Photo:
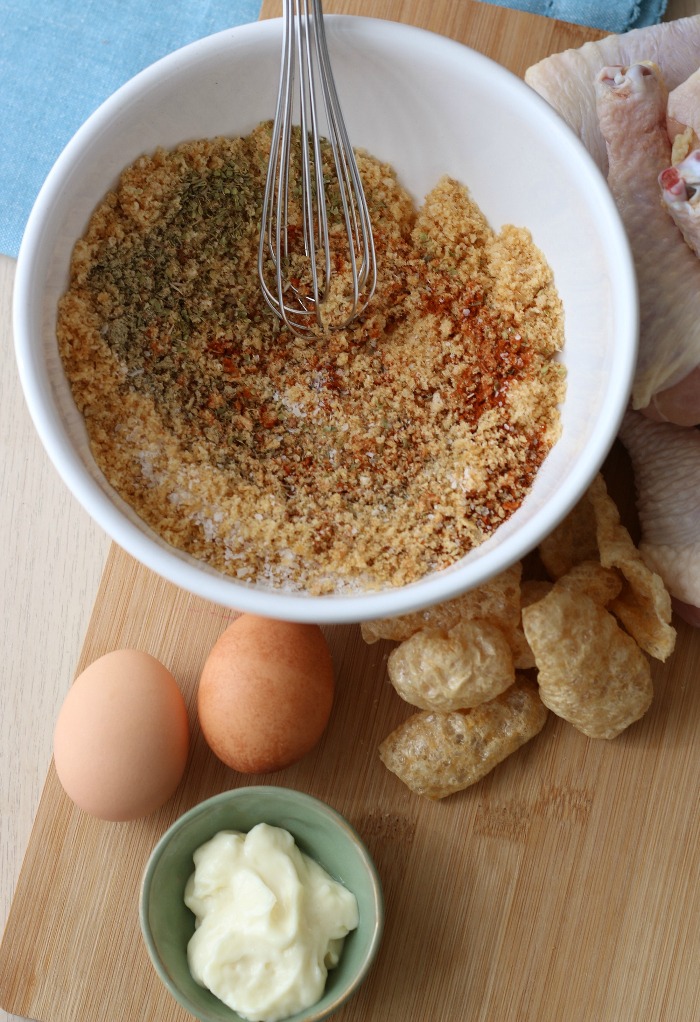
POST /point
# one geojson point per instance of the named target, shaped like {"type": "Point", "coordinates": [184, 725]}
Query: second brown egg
{"type": "Point", "coordinates": [265, 693]}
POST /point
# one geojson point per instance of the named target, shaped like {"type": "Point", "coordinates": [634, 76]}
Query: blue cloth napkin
{"type": "Point", "coordinates": [60, 59]}
{"type": "Point", "coordinates": [608, 15]}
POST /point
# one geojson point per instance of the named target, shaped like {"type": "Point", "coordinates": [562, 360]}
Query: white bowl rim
{"type": "Point", "coordinates": [289, 605]}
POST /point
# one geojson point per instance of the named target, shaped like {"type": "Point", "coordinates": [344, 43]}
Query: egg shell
{"type": "Point", "coordinates": [265, 693]}
{"type": "Point", "coordinates": [122, 736]}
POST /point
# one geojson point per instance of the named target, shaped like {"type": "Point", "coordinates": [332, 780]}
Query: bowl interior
{"type": "Point", "coordinates": [429, 106]}
{"type": "Point", "coordinates": [319, 831]}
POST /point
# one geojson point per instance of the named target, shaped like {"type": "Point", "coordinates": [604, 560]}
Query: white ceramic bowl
{"type": "Point", "coordinates": [430, 107]}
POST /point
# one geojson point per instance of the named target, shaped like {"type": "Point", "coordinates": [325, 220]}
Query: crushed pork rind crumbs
{"type": "Point", "coordinates": [365, 458]}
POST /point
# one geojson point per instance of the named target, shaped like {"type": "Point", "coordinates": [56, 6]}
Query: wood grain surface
{"type": "Point", "coordinates": [565, 886]}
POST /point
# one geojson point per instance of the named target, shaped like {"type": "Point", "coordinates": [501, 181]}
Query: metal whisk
{"type": "Point", "coordinates": [297, 261]}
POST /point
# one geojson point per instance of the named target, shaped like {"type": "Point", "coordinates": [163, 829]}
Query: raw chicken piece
{"type": "Point", "coordinates": [566, 80]}
{"type": "Point", "coordinates": [683, 116]}
{"type": "Point", "coordinates": [680, 191]}
{"type": "Point", "coordinates": [631, 105]}
{"type": "Point", "coordinates": [666, 463]}
{"type": "Point", "coordinates": [667, 473]}
{"type": "Point", "coordinates": [679, 404]}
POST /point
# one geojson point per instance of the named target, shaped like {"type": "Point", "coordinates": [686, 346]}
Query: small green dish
{"type": "Point", "coordinates": [319, 831]}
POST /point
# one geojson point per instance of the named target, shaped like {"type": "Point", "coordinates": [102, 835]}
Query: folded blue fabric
{"type": "Point", "coordinates": [609, 15]}
{"type": "Point", "coordinates": [61, 58]}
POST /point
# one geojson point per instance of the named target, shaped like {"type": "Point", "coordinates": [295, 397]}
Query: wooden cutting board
{"type": "Point", "coordinates": [565, 887]}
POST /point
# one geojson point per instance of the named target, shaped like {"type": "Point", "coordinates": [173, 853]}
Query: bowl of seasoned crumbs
{"type": "Point", "coordinates": [376, 469]}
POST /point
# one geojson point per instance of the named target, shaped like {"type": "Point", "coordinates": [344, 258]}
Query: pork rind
{"type": "Point", "coordinates": [592, 532]}
{"type": "Point", "coordinates": [572, 541]}
{"type": "Point", "coordinates": [532, 590]}
{"type": "Point", "coordinates": [523, 657]}
{"type": "Point", "coordinates": [590, 671]}
{"type": "Point", "coordinates": [497, 601]}
{"type": "Point", "coordinates": [437, 753]}
{"type": "Point", "coordinates": [452, 670]}
{"type": "Point", "coordinates": [592, 578]}
{"type": "Point", "coordinates": [644, 604]}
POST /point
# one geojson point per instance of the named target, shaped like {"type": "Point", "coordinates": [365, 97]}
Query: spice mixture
{"type": "Point", "coordinates": [364, 458]}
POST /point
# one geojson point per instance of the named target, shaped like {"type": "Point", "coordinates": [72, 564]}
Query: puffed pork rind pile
{"type": "Point", "coordinates": [485, 668]}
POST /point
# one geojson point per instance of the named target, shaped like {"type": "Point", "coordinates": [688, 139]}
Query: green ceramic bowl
{"type": "Point", "coordinates": [319, 831]}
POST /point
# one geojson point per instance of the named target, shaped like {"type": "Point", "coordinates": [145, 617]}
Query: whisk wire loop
{"type": "Point", "coordinates": [315, 217]}
{"type": "Point", "coordinates": [356, 214]}
{"type": "Point", "coordinates": [307, 87]}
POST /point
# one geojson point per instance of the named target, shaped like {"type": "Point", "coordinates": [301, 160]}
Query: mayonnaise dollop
{"type": "Point", "coordinates": [269, 922]}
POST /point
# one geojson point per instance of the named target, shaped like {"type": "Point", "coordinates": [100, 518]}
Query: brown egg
{"type": "Point", "coordinates": [265, 693]}
{"type": "Point", "coordinates": [122, 736]}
